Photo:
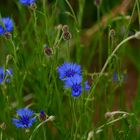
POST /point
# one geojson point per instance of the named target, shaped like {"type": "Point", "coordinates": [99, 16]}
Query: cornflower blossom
{"type": "Point", "coordinates": [6, 25]}
{"type": "Point", "coordinates": [25, 118]}
{"type": "Point", "coordinates": [5, 75]}
{"type": "Point", "coordinates": [68, 70]}
{"type": "Point", "coordinates": [27, 2]}
{"type": "Point", "coordinates": [75, 84]}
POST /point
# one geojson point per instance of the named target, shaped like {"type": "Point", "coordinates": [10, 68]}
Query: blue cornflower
{"type": "Point", "coordinates": [5, 75]}
{"type": "Point", "coordinates": [119, 77]}
{"type": "Point", "coordinates": [87, 86]}
{"type": "Point", "coordinates": [42, 115]}
{"type": "Point", "coordinates": [25, 119]}
{"type": "Point", "coordinates": [6, 25]}
{"type": "Point", "coordinates": [27, 2]}
{"type": "Point", "coordinates": [75, 84]}
{"type": "Point", "coordinates": [8, 74]}
{"type": "Point", "coordinates": [68, 70]}
{"type": "Point", "coordinates": [1, 74]}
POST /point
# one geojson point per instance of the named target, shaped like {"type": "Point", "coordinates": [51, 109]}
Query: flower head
{"type": "Point", "coordinates": [68, 70]}
{"type": "Point", "coordinates": [6, 25]}
{"type": "Point", "coordinates": [27, 2]}
{"type": "Point", "coordinates": [87, 86]}
{"type": "Point", "coordinates": [8, 74]}
{"type": "Point", "coordinates": [42, 116]}
{"type": "Point", "coordinates": [119, 77]}
{"type": "Point", "coordinates": [75, 84]}
{"type": "Point", "coordinates": [5, 75]}
{"type": "Point", "coordinates": [1, 74]}
{"type": "Point", "coordinates": [25, 118]}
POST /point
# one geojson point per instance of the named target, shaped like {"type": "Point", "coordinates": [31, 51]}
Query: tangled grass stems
{"type": "Point", "coordinates": [105, 65]}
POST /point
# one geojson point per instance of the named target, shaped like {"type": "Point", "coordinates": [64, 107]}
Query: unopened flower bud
{"type": "Point", "coordinates": [48, 51]}
{"type": "Point", "coordinates": [112, 33]}
{"type": "Point", "coordinates": [108, 115]}
{"type": "Point", "coordinates": [67, 35]}
{"type": "Point", "coordinates": [3, 126]}
{"type": "Point", "coordinates": [51, 118]}
{"type": "Point", "coordinates": [42, 116]}
{"type": "Point", "coordinates": [137, 35]}
{"type": "Point", "coordinates": [97, 2]}
{"type": "Point", "coordinates": [65, 28]}
{"type": "Point", "coordinates": [8, 35]}
{"type": "Point", "coordinates": [33, 6]}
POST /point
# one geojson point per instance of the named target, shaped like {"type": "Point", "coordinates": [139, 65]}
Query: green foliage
{"type": "Point", "coordinates": [36, 84]}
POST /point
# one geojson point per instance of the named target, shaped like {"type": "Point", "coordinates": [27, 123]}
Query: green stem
{"type": "Point", "coordinates": [106, 63]}
{"type": "Point", "coordinates": [38, 126]}
{"type": "Point", "coordinates": [138, 7]}
{"type": "Point", "coordinates": [72, 11]}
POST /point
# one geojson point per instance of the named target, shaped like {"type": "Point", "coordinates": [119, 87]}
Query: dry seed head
{"type": "Point", "coordinates": [112, 33]}
{"type": "Point", "coordinates": [108, 115]}
{"type": "Point", "coordinates": [97, 2]}
{"type": "Point", "coordinates": [137, 35]}
{"type": "Point", "coordinates": [48, 51]}
{"type": "Point", "coordinates": [67, 35]}
{"type": "Point", "coordinates": [8, 35]}
{"type": "Point", "coordinates": [51, 118]}
{"type": "Point", "coordinates": [33, 6]}
{"type": "Point", "coordinates": [65, 28]}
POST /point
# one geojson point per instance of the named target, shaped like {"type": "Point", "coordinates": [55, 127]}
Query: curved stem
{"type": "Point", "coordinates": [106, 63]}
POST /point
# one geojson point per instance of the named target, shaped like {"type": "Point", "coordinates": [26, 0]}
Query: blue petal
{"type": "Point", "coordinates": [25, 111]}
{"type": "Point", "coordinates": [1, 74]}
{"type": "Point", "coordinates": [87, 86]}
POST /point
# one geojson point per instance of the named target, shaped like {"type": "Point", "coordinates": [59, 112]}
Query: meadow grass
{"type": "Point", "coordinates": [102, 40]}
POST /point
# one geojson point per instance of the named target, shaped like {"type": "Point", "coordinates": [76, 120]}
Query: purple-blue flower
{"type": "Point", "coordinates": [87, 86]}
{"type": "Point", "coordinates": [5, 75]}
{"type": "Point", "coordinates": [27, 2]}
{"type": "Point", "coordinates": [25, 118]}
{"type": "Point", "coordinates": [8, 74]}
{"type": "Point", "coordinates": [119, 77]}
{"type": "Point", "coordinates": [75, 84]}
{"type": "Point", "coordinates": [68, 70]}
{"type": "Point", "coordinates": [6, 25]}
{"type": "Point", "coordinates": [42, 115]}
{"type": "Point", "coordinates": [1, 74]}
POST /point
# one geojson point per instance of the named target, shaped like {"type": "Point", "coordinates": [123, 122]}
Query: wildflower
{"type": "Point", "coordinates": [137, 35]}
{"type": "Point", "coordinates": [25, 118]}
{"type": "Point", "coordinates": [6, 25]}
{"type": "Point", "coordinates": [9, 74]}
{"type": "Point", "coordinates": [68, 70]}
{"type": "Point", "coordinates": [87, 86]}
{"type": "Point", "coordinates": [48, 51]}
{"type": "Point", "coordinates": [42, 116]}
{"type": "Point", "coordinates": [3, 126]}
{"type": "Point", "coordinates": [119, 77]}
{"type": "Point", "coordinates": [75, 84]}
{"type": "Point", "coordinates": [5, 75]}
{"type": "Point", "coordinates": [65, 28]}
{"type": "Point", "coordinates": [1, 75]}
{"type": "Point", "coordinates": [97, 2]}
{"type": "Point", "coordinates": [27, 2]}
{"type": "Point", "coordinates": [67, 35]}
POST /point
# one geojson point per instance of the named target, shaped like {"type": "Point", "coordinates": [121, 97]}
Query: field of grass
{"type": "Point", "coordinates": [69, 69]}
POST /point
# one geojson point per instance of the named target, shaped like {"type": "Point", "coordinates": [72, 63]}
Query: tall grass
{"type": "Point", "coordinates": [110, 109]}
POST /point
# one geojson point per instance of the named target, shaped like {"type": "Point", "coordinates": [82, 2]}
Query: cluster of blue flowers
{"type": "Point", "coordinates": [5, 75]}
{"type": "Point", "coordinates": [71, 75]}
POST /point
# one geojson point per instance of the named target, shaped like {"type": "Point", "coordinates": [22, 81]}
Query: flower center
{"type": "Point", "coordinates": [25, 120]}
{"type": "Point", "coordinates": [76, 87]}
{"type": "Point", "coordinates": [70, 73]}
